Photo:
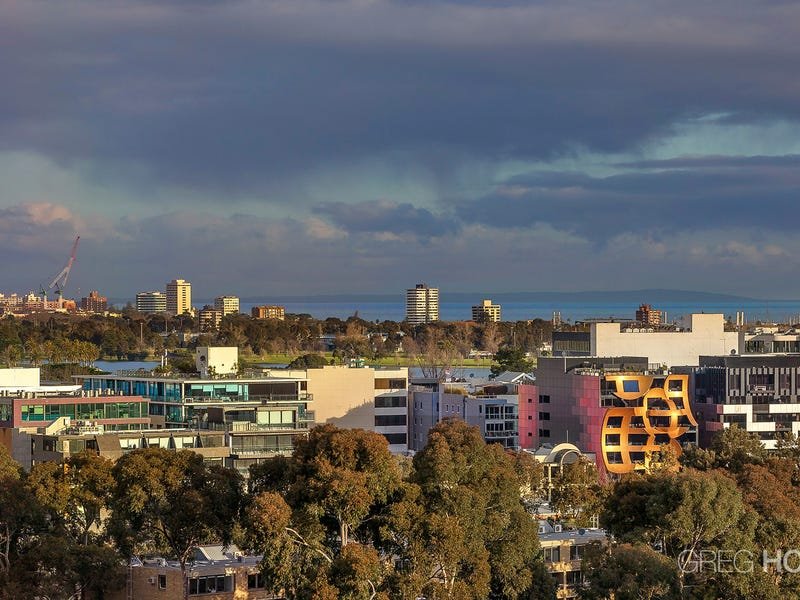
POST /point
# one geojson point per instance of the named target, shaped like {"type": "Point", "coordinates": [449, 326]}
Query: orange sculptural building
{"type": "Point", "coordinates": [656, 413]}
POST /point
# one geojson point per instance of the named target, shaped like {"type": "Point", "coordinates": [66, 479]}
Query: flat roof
{"type": "Point", "coordinates": [588, 535]}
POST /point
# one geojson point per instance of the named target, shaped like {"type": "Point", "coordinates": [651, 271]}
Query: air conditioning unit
{"type": "Point", "coordinates": [557, 528]}
{"type": "Point", "coordinates": [151, 580]}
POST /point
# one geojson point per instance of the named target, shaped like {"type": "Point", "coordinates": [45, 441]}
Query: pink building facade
{"type": "Point", "coordinates": [568, 401]}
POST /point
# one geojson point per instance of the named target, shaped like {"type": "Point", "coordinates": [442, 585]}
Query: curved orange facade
{"type": "Point", "coordinates": [651, 418]}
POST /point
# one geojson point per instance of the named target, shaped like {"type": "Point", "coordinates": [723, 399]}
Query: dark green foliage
{"type": "Point", "coordinates": [460, 525]}
{"type": "Point", "coordinates": [135, 336]}
{"type": "Point", "coordinates": [308, 361]}
{"type": "Point", "coordinates": [172, 501]}
{"type": "Point", "coordinates": [511, 359]}
{"type": "Point", "coordinates": [629, 572]}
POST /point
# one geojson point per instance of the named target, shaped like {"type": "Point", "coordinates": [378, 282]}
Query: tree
{"type": "Point", "coordinates": [459, 526]}
{"type": "Point", "coordinates": [686, 514]}
{"type": "Point", "coordinates": [315, 514]}
{"type": "Point", "coordinates": [18, 510]}
{"type": "Point", "coordinates": [173, 501]}
{"type": "Point", "coordinates": [735, 447]}
{"type": "Point", "coordinates": [576, 492]}
{"type": "Point", "coordinates": [341, 476]}
{"type": "Point", "coordinates": [511, 359]}
{"type": "Point", "coordinates": [75, 493]}
{"type": "Point", "coordinates": [308, 361]}
{"type": "Point", "coordinates": [289, 559]}
{"type": "Point", "coordinates": [433, 352]}
{"type": "Point", "coordinates": [772, 491]}
{"type": "Point", "coordinates": [629, 572]}
{"type": "Point", "coordinates": [490, 337]}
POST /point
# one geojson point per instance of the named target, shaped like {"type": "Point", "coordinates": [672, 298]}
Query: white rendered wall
{"type": "Point", "coordinates": [706, 337]}
{"type": "Point", "coordinates": [19, 378]}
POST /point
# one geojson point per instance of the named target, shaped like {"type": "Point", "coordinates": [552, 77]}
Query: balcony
{"type": "Point", "coordinates": [500, 434]}
{"type": "Point", "coordinates": [247, 426]}
{"type": "Point", "coordinates": [251, 400]}
{"type": "Point", "coordinates": [257, 450]}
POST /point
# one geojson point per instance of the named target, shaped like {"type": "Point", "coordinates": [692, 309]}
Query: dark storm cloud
{"type": "Point", "coordinates": [235, 95]}
{"type": "Point", "coordinates": [382, 217]}
{"type": "Point", "coordinates": [188, 114]}
{"type": "Point", "coordinates": [713, 162]}
{"type": "Point", "coordinates": [762, 193]}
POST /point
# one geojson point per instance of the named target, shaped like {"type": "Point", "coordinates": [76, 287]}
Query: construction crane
{"type": "Point", "coordinates": [60, 280]}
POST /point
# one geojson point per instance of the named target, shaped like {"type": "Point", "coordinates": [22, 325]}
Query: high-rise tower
{"type": "Point", "coordinates": [179, 297]}
{"type": "Point", "coordinates": [422, 304]}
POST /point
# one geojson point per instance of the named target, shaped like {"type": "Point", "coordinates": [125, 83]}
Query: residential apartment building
{"type": "Point", "coordinates": [179, 297]}
{"type": "Point", "coordinates": [361, 398]}
{"type": "Point", "coordinates": [486, 312]}
{"type": "Point", "coordinates": [28, 408]}
{"type": "Point", "coordinates": [429, 403]}
{"type": "Point", "coordinates": [647, 315]}
{"type": "Point", "coordinates": [209, 318]}
{"type": "Point", "coordinates": [94, 302]}
{"type": "Point", "coordinates": [619, 408]}
{"type": "Point", "coordinates": [563, 551]}
{"type": "Point", "coordinates": [268, 312]}
{"type": "Point", "coordinates": [228, 305]}
{"type": "Point", "coordinates": [769, 340]}
{"type": "Point", "coordinates": [759, 393]}
{"type": "Point", "coordinates": [259, 415]}
{"type": "Point", "coordinates": [56, 444]}
{"type": "Point", "coordinates": [151, 302]}
{"type": "Point", "coordinates": [422, 304]}
{"type": "Point", "coordinates": [214, 573]}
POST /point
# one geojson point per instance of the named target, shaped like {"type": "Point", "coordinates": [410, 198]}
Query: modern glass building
{"type": "Point", "coordinates": [180, 400]}
{"type": "Point", "coordinates": [260, 416]}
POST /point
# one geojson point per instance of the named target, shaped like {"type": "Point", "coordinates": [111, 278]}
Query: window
{"type": "Point", "coordinates": [544, 398]}
{"type": "Point", "coordinates": [544, 416]}
{"type": "Point", "coordinates": [390, 402]}
{"type": "Point", "coordinates": [389, 420]}
{"type": "Point", "coordinates": [395, 438]}
{"type": "Point", "coordinates": [552, 554]}
{"type": "Point", "coordinates": [630, 385]}
{"type": "Point", "coordinates": [544, 433]}
{"type": "Point", "coordinates": [575, 552]}
{"type": "Point", "coordinates": [162, 582]}
{"type": "Point", "coordinates": [675, 385]}
{"type": "Point", "coordinates": [530, 417]}
{"type": "Point", "coordinates": [211, 584]}
{"type": "Point", "coordinates": [574, 578]}
{"type": "Point", "coordinates": [390, 384]}
{"type": "Point", "coordinates": [255, 581]}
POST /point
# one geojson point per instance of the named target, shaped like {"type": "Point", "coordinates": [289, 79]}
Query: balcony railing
{"type": "Point", "coordinates": [254, 400]}
{"type": "Point", "coordinates": [501, 434]}
{"type": "Point", "coordinates": [250, 451]}
{"type": "Point", "coordinates": [246, 426]}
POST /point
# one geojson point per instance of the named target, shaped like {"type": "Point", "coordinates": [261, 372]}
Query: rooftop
{"type": "Point", "coordinates": [206, 558]}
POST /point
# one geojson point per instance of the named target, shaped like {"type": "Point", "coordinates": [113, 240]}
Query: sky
{"type": "Point", "coordinates": [306, 147]}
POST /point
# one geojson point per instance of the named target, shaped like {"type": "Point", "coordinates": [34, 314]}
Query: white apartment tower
{"type": "Point", "coordinates": [422, 304]}
{"type": "Point", "coordinates": [486, 312]}
{"type": "Point", "coordinates": [229, 305]}
{"type": "Point", "coordinates": [179, 297]}
{"type": "Point", "coordinates": [151, 302]}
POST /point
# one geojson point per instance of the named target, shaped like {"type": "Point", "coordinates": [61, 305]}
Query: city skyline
{"type": "Point", "coordinates": [323, 148]}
